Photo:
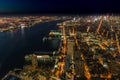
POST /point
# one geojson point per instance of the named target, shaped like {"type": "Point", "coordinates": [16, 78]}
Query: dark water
{"type": "Point", "coordinates": [15, 45]}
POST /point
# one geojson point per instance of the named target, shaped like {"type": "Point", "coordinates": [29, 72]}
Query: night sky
{"type": "Point", "coordinates": [59, 6]}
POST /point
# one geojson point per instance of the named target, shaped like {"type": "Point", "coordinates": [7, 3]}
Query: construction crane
{"type": "Point", "coordinates": [99, 26]}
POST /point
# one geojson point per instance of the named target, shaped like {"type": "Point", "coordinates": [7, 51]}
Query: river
{"type": "Point", "coordinates": [14, 45]}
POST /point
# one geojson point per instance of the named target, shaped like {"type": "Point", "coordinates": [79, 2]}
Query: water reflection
{"type": "Point", "coordinates": [11, 34]}
{"type": "Point", "coordinates": [23, 32]}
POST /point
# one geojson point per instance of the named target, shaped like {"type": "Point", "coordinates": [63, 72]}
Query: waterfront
{"type": "Point", "coordinates": [15, 45]}
{"type": "Point", "coordinates": [89, 46]}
